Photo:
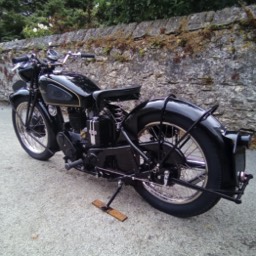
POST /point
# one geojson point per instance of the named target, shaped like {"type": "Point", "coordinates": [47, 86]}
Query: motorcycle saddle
{"type": "Point", "coordinates": [119, 94]}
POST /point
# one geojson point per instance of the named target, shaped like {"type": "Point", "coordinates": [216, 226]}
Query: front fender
{"type": "Point", "coordinates": [54, 122]}
{"type": "Point", "coordinates": [23, 92]}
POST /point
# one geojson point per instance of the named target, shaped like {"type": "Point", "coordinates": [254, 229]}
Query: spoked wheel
{"type": "Point", "coordinates": [195, 160]}
{"type": "Point", "coordinates": [37, 138]}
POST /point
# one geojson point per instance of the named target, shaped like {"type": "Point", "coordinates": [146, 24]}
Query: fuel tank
{"type": "Point", "coordinates": [67, 89]}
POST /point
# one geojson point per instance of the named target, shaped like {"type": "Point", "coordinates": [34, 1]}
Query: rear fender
{"type": "Point", "coordinates": [186, 110]}
{"type": "Point", "coordinates": [174, 108]}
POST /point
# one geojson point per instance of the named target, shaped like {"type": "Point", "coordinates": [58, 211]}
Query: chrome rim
{"type": "Point", "coordinates": [194, 169]}
{"type": "Point", "coordinates": [35, 138]}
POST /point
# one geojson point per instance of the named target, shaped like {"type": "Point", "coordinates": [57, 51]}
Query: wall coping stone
{"type": "Point", "coordinates": [173, 25]}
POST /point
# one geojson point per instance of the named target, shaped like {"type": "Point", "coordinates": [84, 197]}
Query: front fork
{"type": "Point", "coordinates": [33, 98]}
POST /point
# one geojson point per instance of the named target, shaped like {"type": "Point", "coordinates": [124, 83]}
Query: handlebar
{"type": "Point", "coordinates": [87, 55]}
{"type": "Point", "coordinates": [51, 63]}
{"type": "Point", "coordinates": [78, 54]}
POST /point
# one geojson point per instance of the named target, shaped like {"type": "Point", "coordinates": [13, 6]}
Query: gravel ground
{"type": "Point", "coordinates": [46, 210]}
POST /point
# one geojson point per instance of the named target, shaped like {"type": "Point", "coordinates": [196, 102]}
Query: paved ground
{"type": "Point", "coordinates": [46, 210]}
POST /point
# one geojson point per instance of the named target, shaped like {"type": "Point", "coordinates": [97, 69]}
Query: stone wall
{"type": "Point", "coordinates": [205, 58]}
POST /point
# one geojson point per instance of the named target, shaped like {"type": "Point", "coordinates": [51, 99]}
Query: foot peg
{"type": "Point", "coordinates": [70, 165]}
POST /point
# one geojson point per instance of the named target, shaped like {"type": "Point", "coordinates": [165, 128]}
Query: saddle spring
{"type": "Point", "coordinates": [118, 114]}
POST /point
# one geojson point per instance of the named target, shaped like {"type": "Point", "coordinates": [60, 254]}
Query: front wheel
{"type": "Point", "coordinates": [195, 160]}
{"type": "Point", "coordinates": [37, 138]}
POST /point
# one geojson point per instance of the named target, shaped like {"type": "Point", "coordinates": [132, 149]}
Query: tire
{"type": "Point", "coordinates": [196, 161]}
{"type": "Point", "coordinates": [38, 140]}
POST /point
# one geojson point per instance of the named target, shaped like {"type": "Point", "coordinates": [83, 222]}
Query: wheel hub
{"type": "Point", "coordinates": [170, 168]}
{"type": "Point", "coordinates": [164, 175]}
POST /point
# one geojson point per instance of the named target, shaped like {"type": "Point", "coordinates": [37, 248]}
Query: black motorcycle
{"type": "Point", "coordinates": [177, 156]}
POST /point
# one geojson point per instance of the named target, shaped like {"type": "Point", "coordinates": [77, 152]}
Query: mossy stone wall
{"type": "Point", "coordinates": [206, 58]}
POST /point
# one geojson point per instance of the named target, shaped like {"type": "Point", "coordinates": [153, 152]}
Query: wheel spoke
{"type": "Point", "coordinates": [35, 138]}
{"type": "Point", "coordinates": [197, 179]}
{"type": "Point", "coordinates": [193, 169]}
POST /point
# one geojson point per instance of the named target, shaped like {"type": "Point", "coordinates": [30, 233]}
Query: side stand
{"type": "Point", "coordinates": [106, 207]}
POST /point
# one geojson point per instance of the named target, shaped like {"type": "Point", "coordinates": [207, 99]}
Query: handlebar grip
{"type": "Point", "coordinates": [87, 55]}
{"type": "Point", "coordinates": [16, 60]}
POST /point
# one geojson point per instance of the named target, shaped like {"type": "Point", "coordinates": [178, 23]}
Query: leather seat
{"type": "Point", "coordinates": [119, 94]}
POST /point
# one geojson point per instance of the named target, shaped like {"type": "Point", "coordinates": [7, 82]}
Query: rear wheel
{"type": "Point", "coordinates": [36, 139]}
{"type": "Point", "coordinates": [195, 160]}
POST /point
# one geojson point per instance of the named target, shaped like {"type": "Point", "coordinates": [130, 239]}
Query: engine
{"type": "Point", "coordinates": [100, 131]}
{"type": "Point", "coordinates": [81, 133]}
{"type": "Point", "coordinates": [92, 141]}
{"type": "Point", "coordinates": [77, 119]}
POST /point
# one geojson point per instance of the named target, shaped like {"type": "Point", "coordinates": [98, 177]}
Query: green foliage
{"type": "Point", "coordinates": [33, 18]}
{"type": "Point", "coordinates": [125, 11]}
{"type": "Point", "coordinates": [31, 31]}
{"type": "Point", "coordinates": [11, 25]}
{"type": "Point", "coordinates": [30, 18]}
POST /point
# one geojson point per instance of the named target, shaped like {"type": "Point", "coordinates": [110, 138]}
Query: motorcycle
{"type": "Point", "coordinates": [177, 156]}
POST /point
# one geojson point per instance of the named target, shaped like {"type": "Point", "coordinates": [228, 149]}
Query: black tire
{"type": "Point", "coordinates": [200, 165]}
{"type": "Point", "coordinates": [39, 139]}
